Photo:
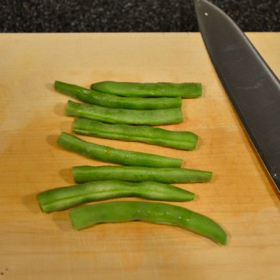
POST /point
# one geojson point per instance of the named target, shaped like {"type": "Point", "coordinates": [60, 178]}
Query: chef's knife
{"type": "Point", "coordinates": [252, 87]}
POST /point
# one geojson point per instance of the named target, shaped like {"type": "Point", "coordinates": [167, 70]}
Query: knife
{"type": "Point", "coordinates": [252, 87]}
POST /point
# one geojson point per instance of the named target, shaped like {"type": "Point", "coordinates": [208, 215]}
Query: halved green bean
{"type": "Point", "coordinates": [109, 154]}
{"type": "Point", "coordinates": [176, 139]}
{"type": "Point", "coordinates": [127, 116]}
{"type": "Point", "coordinates": [153, 212]}
{"type": "Point", "coordinates": [66, 197]}
{"type": "Point", "coordinates": [184, 90]}
{"type": "Point", "coordinates": [83, 174]}
{"type": "Point", "coordinates": [113, 101]}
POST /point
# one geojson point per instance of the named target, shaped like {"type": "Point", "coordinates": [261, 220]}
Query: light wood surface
{"type": "Point", "coordinates": [241, 196]}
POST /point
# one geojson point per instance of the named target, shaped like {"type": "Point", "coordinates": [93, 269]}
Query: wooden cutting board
{"type": "Point", "coordinates": [241, 197]}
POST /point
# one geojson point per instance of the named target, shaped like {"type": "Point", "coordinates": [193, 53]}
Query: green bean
{"type": "Point", "coordinates": [127, 116]}
{"type": "Point", "coordinates": [153, 212]}
{"type": "Point", "coordinates": [184, 90]}
{"type": "Point", "coordinates": [83, 174]}
{"type": "Point", "coordinates": [108, 154]}
{"type": "Point", "coordinates": [113, 101]}
{"type": "Point", "coordinates": [66, 197]}
{"type": "Point", "coordinates": [147, 134]}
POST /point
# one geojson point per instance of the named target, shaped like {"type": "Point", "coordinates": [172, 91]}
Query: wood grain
{"type": "Point", "coordinates": [241, 196]}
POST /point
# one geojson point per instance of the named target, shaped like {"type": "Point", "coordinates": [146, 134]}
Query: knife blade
{"type": "Point", "coordinates": [252, 87]}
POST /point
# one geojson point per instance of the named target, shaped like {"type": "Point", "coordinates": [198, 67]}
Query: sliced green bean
{"type": "Point", "coordinates": [114, 101]}
{"type": "Point", "coordinates": [184, 90]}
{"type": "Point", "coordinates": [66, 197]}
{"type": "Point", "coordinates": [83, 174]}
{"type": "Point", "coordinates": [109, 154]}
{"type": "Point", "coordinates": [153, 212]}
{"type": "Point", "coordinates": [127, 116]}
{"type": "Point", "coordinates": [147, 134]}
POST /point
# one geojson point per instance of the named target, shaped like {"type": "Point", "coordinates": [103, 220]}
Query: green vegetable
{"type": "Point", "coordinates": [113, 101]}
{"type": "Point", "coordinates": [83, 174]}
{"type": "Point", "coordinates": [147, 134]}
{"type": "Point", "coordinates": [110, 115]}
{"type": "Point", "coordinates": [153, 212]}
{"type": "Point", "coordinates": [66, 197]}
{"type": "Point", "coordinates": [184, 90]}
{"type": "Point", "coordinates": [108, 154]}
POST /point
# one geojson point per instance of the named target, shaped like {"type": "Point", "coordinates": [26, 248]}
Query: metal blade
{"type": "Point", "coordinates": [252, 87]}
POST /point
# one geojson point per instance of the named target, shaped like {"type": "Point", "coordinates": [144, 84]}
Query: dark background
{"type": "Point", "coordinates": [129, 15]}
